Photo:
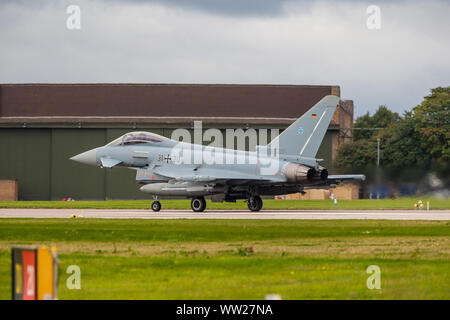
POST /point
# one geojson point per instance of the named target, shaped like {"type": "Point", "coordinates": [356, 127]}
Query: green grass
{"type": "Point", "coordinates": [239, 259]}
{"type": "Point", "coordinates": [363, 204]}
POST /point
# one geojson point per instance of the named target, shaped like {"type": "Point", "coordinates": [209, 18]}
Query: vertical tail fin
{"type": "Point", "coordinates": [305, 135]}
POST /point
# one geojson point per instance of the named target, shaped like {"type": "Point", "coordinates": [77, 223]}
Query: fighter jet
{"type": "Point", "coordinates": [166, 167]}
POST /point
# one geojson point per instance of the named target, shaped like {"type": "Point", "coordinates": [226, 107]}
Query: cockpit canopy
{"type": "Point", "coordinates": [137, 137]}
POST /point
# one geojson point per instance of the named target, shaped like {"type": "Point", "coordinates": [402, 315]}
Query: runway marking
{"type": "Point", "coordinates": [226, 214]}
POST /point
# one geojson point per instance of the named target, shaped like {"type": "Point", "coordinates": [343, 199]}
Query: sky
{"type": "Point", "coordinates": [234, 41]}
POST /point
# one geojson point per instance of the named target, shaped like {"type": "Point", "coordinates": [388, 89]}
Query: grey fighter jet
{"type": "Point", "coordinates": [166, 167]}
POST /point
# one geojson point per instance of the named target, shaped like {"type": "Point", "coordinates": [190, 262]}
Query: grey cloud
{"type": "Point", "coordinates": [220, 7]}
{"type": "Point", "coordinates": [225, 7]}
{"type": "Point", "coordinates": [234, 8]}
{"type": "Point", "coordinates": [242, 8]}
{"type": "Point", "coordinates": [129, 41]}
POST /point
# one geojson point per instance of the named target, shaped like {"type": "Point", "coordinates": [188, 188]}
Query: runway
{"type": "Point", "coordinates": [226, 214]}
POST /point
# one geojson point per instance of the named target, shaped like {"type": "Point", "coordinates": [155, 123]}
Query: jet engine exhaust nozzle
{"type": "Point", "coordinates": [296, 173]}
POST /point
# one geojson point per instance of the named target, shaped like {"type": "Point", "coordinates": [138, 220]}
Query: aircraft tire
{"type": "Point", "coordinates": [198, 204]}
{"type": "Point", "coordinates": [255, 203]}
{"type": "Point", "coordinates": [156, 206]}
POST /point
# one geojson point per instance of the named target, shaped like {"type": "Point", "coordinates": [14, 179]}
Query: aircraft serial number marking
{"type": "Point", "coordinates": [167, 159]}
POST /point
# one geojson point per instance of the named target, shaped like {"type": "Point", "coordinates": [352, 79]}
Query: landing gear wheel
{"type": "Point", "coordinates": [156, 206]}
{"type": "Point", "coordinates": [198, 204]}
{"type": "Point", "coordinates": [254, 203]}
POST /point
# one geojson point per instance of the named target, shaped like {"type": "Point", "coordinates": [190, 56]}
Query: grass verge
{"type": "Point", "coordinates": [244, 259]}
{"type": "Point", "coordinates": [362, 204]}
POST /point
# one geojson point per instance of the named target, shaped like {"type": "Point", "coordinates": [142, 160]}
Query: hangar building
{"type": "Point", "coordinates": [43, 125]}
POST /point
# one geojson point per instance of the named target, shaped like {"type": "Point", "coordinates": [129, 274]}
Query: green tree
{"type": "Point", "coordinates": [432, 123]}
{"type": "Point", "coordinates": [359, 154]}
{"type": "Point", "coordinates": [401, 145]}
{"type": "Point", "coordinates": [419, 139]}
{"type": "Point", "coordinates": [382, 118]}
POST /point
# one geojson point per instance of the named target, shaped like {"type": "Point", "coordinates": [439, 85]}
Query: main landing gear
{"type": "Point", "coordinates": [254, 203]}
{"type": "Point", "coordinates": [198, 204]}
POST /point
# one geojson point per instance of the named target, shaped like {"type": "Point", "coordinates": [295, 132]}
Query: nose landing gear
{"type": "Point", "coordinates": [156, 206]}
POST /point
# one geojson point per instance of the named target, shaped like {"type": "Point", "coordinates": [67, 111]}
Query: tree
{"type": "Point", "coordinates": [359, 154]}
{"type": "Point", "coordinates": [432, 123]}
{"type": "Point", "coordinates": [382, 118]}
{"type": "Point", "coordinates": [401, 145]}
{"type": "Point", "coordinates": [419, 139]}
{"type": "Point", "coordinates": [363, 151]}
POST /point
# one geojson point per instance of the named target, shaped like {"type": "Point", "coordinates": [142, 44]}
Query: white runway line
{"type": "Point", "coordinates": [225, 214]}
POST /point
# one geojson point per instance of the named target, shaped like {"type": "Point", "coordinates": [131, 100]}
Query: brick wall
{"type": "Point", "coordinates": [344, 117]}
{"type": "Point", "coordinates": [8, 190]}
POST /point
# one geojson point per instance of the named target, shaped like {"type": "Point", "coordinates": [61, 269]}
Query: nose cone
{"type": "Point", "coordinates": [88, 157]}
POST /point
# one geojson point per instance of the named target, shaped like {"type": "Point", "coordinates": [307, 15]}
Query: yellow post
{"type": "Point", "coordinates": [45, 274]}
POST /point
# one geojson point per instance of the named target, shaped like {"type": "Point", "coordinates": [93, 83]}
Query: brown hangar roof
{"type": "Point", "coordinates": [163, 103]}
